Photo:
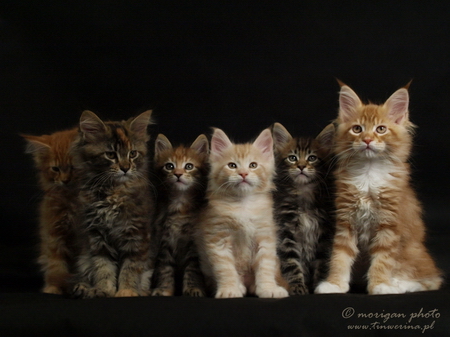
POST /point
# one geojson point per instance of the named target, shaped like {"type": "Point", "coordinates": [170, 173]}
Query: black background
{"type": "Point", "coordinates": [239, 66]}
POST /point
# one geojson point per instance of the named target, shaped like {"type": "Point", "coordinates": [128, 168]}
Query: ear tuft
{"type": "Point", "coordinates": [281, 136]}
{"type": "Point", "coordinates": [349, 103]}
{"type": "Point", "coordinates": [264, 142]}
{"type": "Point", "coordinates": [140, 123]}
{"type": "Point", "coordinates": [201, 144]}
{"type": "Point", "coordinates": [397, 106]}
{"type": "Point", "coordinates": [162, 144]}
{"type": "Point", "coordinates": [91, 125]}
{"type": "Point", "coordinates": [219, 142]}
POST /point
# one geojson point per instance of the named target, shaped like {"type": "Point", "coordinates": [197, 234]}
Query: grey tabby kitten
{"type": "Point", "coordinates": [111, 160]}
{"type": "Point", "coordinates": [302, 206]}
{"type": "Point", "coordinates": [182, 172]}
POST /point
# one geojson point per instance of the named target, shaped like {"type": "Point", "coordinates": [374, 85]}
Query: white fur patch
{"type": "Point", "coordinates": [330, 288]}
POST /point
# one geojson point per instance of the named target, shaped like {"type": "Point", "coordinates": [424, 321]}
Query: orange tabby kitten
{"type": "Point", "coordinates": [237, 235]}
{"type": "Point", "coordinates": [57, 209]}
{"type": "Point", "coordinates": [378, 214]}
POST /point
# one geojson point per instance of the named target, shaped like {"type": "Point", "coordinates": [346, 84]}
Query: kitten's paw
{"type": "Point", "coordinates": [194, 292]}
{"type": "Point", "coordinates": [126, 293]}
{"type": "Point", "coordinates": [50, 289]}
{"type": "Point", "coordinates": [384, 288]}
{"type": "Point", "coordinates": [84, 290]}
{"type": "Point", "coordinates": [330, 288]}
{"type": "Point", "coordinates": [162, 292]}
{"type": "Point", "coordinates": [271, 292]}
{"type": "Point", "coordinates": [396, 287]}
{"type": "Point", "coordinates": [230, 292]}
{"type": "Point", "coordinates": [298, 289]}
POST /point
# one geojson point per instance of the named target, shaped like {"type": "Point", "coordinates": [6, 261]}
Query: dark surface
{"type": "Point", "coordinates": [239, 67]}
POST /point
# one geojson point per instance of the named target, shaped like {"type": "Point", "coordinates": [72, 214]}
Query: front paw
{"type": "Point", "coordinates": [126, 293]}
{"type": "Point", "coordinates": [194, 292]}
{"type": "Point", "coordinates": [231, 292]}
{"type": "Point", "coordinates": [298, 289]}
{"type": "Point", "coordinates": [84, 290]}
{"type": "Point", "coordinates": [331, 288]}
{"type": "Point", "coordinates": [162, 292]}
{"type": "Point", "coordinates": [271, 292]}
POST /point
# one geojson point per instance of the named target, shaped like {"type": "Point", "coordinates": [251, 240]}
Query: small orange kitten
{"type": "Point", "coordinates": [237, 233]}
{"type": "Point", "coordinates": [57, 209]}
{"type": "Point", "coordinates": [379, 219]}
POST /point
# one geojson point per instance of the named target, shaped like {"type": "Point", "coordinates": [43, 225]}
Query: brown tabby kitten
{"type": "Point", "coordinates": [303, 206]}
{"type": "Point", "coordinates": [379, 219]}
{"type": "Point", "coordinates": [237, 233]}
{"type": "Point", "coordinates": [57, 209]}
{"type": "Point", "coordinates": [116, 206]}
{"type": "Point", "coordinates": [182, 172]}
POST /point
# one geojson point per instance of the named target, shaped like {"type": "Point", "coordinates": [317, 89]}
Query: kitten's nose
{"type": "Point", "coordinates": [125, 169]}
{"type": "Point", "coordinates": [367, 140]}
{"type": "Point", "coordinates": [301, 167]}
{"type": "Point", "coordinates": [178, 175]}
{"type": "Point", "coordinates": [243, 175]}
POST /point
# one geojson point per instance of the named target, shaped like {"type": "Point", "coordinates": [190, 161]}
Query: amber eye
{"type": "Point", "coordinates": [357, 128]}
{"type": "Point", "coordinates": [110, 155]}
{"type": "Point", "coordinates": [169, 166]}
{"type": "Point", "coordinates": [253, 165]}
{"type": "Point", "coordinates": [133, 154]}
{"type": "Point", "coordinates": [292, 158]}
{"type": "Point", "coordinates": [381, 129]}
{"type": "Point", "coordinates": [232, 165]}
{"type": "Point", "coordinates": [189, 166]}
{"type": "Point", "coordinates": [312, 158]}
{"type": "Point", "coordinates": [55, 169]}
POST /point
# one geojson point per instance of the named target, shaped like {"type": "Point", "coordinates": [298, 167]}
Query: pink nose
{"type": "Point", "coordinates": [243, 175]}
{"type": "Point", "coordinates": [367, 141]}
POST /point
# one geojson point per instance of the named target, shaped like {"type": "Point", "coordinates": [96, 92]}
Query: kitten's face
{"type": "Point", "coordinates": [300, 159]}
{"type": "Point", "coordinates": [51, 154]}
{"type": "Point", "coordinates": [241, 169]}
{"type": "Point", "coordinates": [114, 150]}
{"type": "Point", "coordinates": [182, 168]}
{"type": "Point", "coordinates": [373, 131]}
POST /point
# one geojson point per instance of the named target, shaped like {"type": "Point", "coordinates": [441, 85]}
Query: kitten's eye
{"type": "Point", "coordinates": [381, 129]}
{"type": "Point", "coordinates": [253, 165]}
{"type": "Point", "coordinates": [55, 168]}
{"type": "Point", "coordinates": [189, 166]}
{"type": "Point", "coordinates": [232, 165]}
{"type": "Point", "coordinates": [169, 166]}
{"type": "Point", "coordinates": [292, 158]}
{"type": "Point", "coordinates": [133, 154]}
{"type": "Point", "coordinates": [110, 155]}
{"type": "Point", "coordinates": [357, 128]}
{"type": "Point", "coordinates": [312, 158]}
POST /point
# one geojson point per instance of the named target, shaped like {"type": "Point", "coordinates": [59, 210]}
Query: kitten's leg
{"type": "Point", "coordinates": [266, 265]}
{"type": "Point", "coordinates": [193, 282]}
{"type": "Point", "coordinates": [56, 274]}
{"type": "Point", "coordinates": [129, 281]}
{"type": "Point", "coordinates": [291, 267]}
{"type": "Point", "coordinates": [342, 258]}
{"type": "Point", "coordinates": [164, 274]}
{"type": "Point", "coordinates": [101, 272]}
{"type": "Point", "coordinates": [220, 254]}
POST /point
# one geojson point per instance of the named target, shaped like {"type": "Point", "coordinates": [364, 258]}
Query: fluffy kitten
{"type": "Point", "coordinates": [111, 158]}
{"type": "Point", "coordinates": [237, 233]}
{"type": "Point", "coordinates": [57, 209]}
{"type": "Point", "coordinates": [302, 206]}
{"type": "Point", "coordinates": [379, 218]}
{"type": "Point", "coordinates": [182, 172]}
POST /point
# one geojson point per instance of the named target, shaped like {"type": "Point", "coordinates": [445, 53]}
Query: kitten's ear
{"type": "Point", "coordinates": [397, 106]}
{"type": "Point", "coordinates": [162, 144]}
{"type": "Point", "coordinates": [219, 143]}
{"type": "Point", "coordinates": [91, 125]}
{"type": "Point", "coordinates": [36, 145]}
{"type": "Point", "coordinates": [140, 123]}
{"type": "Point", "coordinates": [281, 136]}
{"type": "Point", "coordinates": [201, 145]}
{"type": "Point", "coordinates": [326, 136]}
{"type": "Point", "coordinates": [264, 142]}
{"type": "Point", "coordinates": [349, 103]}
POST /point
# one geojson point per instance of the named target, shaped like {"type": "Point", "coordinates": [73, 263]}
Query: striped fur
{"type": "Point", "coordinates": [111, 158]}
{"type": "Point", "coordinates": [182, 173]}
{"type": "Point", "coordinates": [303, 207]}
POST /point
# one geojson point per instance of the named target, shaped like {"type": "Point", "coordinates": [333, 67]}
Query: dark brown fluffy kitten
{"type": "Point", "coordinates": [111, 159]}
{"type": "Point", "coordinates": [303, 204]}
{"type": "Point", "coordinates": [182, 173]}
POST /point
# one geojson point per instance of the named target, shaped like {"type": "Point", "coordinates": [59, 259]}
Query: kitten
{"type": "Point", "coordinates": [57, 209]}
{"type": "Point", "coordinates": [237, 233]}
{"type": "Point", "coordinates": [111, 158]}
{"type": "Point", "coordinates": [302, 206]}
{"type": "Point", "coordinates": [378, 215]}
{"type": "Point", "coordinates": [182, 172]}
